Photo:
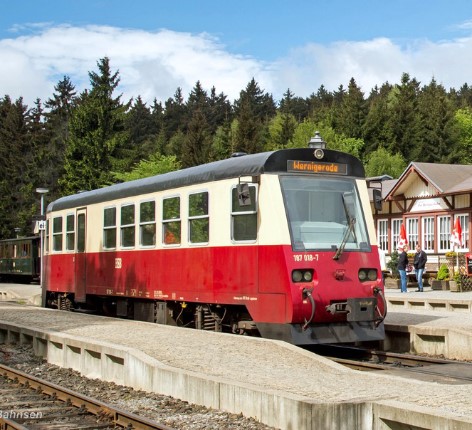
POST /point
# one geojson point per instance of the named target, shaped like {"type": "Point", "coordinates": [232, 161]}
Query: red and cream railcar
{"type": "Point", "coordinates": [279, 244]}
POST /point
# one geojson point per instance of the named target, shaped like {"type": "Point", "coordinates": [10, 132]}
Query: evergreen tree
{"type": "Point", "coordinates": [60, 107]}
{"type": "Point", "coordinates": [142, 131]}
{"type": "Point", "coordinates": [197, 142]}
{"type": "Point", "coordinates": [253, 109]}
{"type": "Point", "coordinates": [404, 118]}
{"type": "Point", "coordinates": [352, 112]}
{"type": "Point", "coordinates": [436, 116]}
{"type": "Point", "coordinates": [298, 107]}
{"type": "Point", "coordinates": [96, 134]}
{"type": "Point", "coordinates": [17, 204]}
{"type": "Point", "coordinates": [377, 132]}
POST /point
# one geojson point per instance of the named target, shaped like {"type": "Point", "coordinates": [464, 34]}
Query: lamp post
{"type": "Point", "coordinates": [42, 192]}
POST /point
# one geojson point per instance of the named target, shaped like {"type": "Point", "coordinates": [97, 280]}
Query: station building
{"type": "Point", "coordinates": [427, 198]}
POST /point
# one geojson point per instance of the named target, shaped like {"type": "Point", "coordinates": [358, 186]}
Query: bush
{"type": "Point", "coordinates": [392, 265]}
{"type": "Point", "coordinates": [443, 273]}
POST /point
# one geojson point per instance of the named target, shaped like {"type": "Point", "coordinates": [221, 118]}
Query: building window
{"type": "Point", "coordinates": [57, 234]}
{"type": "Point", "coordinates": [382, 229]}
{"type": "Point", "coordinates": [147, 223]}
{"type": "Point", "coordinates": [127, 226]}
{"type": "Point", "coordinates": [70, 232]}
{"type": "Point", "coordinates": [109, 228]}
{"type": "Point", "coordinates": [198, 219]}
{"type": "Point", "coordinates": [428, 234]}
{"type": "Point", "coordinates": [244, 216]}
{"type": "Point", "coordinates": [444, 233]}
{"type": "Point", "coordinates": [171, 221]}
{"type": "Point", "coordinates": [396, 223]}
{"type": "Point", "coordinates": [412, 232]}
{"type": "Point", "coordinates": [464, 220]}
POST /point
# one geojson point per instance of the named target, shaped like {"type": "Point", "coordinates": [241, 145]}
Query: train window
{"type": "Point", "coordinates": [109, 228]}
{"type": "Point", "coordinates": [171, 222]}
{"type": "Point", "coordinates": [198, 219]}
{"type": "Point", "coordinates": [81, 232]}
{"type": "Point", "coordinates": [147, 223]}
{"type": "Point", "coordinates": [324, 213]}
{"type": "Point", "coordinates": [57, 233]}
{"type": "Point", "coordinates": [70, 232]}
{"type": "Point", "coordinates": [244, 217]}
{"type": "Point", "coordinates": [25, 250]}
{"type": "Point", "coordinates": [127, 226]}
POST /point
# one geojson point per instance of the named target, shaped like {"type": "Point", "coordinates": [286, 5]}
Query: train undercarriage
{"type": "Point", "coordinates": [210, 317]}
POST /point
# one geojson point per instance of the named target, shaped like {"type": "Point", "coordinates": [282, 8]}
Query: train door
{"type": "Point", "coordinates": [80, 257]}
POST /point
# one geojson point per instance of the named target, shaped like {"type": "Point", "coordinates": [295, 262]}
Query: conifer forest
{"type": "Point", "coordinates": [83, 141]}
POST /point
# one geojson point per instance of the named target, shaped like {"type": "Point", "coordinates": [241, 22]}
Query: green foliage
{"type": "Point", "coordinates": [393, 264]}
{"type": "Point", "coordinates": [463, 126]}
{"type": "Point", "coordinates": [77, 142]}
{"type": "Point", "coordinates": [96, 135]}
{"type": "Point", "coordinates": [155, 165]}
{"type": "Point", "coordinates": [381, 162]}
{"type": "Point", "coordinates": [443, 273]}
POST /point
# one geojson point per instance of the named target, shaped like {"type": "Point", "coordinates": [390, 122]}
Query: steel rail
{"type": "Point", "coordinates": [76, 400]}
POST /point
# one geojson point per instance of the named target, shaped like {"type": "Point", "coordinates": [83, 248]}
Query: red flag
{"type": "Point", "coordinates": [456, 236]}
{"type": "Point", "coordinates": [402, 240]}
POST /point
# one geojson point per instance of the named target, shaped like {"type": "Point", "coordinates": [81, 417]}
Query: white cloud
{"type": "Point", "coordinates": [154, 64]}
{"type": "Point", "coordinates": [151, 64]}
{"type": "Point", "coordinates": [375, 62]}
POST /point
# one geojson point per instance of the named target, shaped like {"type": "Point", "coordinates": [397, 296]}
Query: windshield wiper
{"type": "Point", "coordinates": [349, 230]}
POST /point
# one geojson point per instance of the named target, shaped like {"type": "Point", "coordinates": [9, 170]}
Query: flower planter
{"type": "Point", "coordinates": [391, 283]}
{"type": "Point", "coordinates": [454, 286]}
{"type": "Point", "coordinates": [439, 285]}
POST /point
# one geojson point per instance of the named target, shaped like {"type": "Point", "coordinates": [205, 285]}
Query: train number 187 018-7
{"type": "Point", "coordinates": [305, 257]}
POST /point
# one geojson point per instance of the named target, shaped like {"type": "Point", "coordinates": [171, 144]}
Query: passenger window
{"type": "Point", "coordinates": [171, 221]}
{"type": "Point", "coordinates": [127, 226]}
{"type": "Point", "coordinates": [57, 234]}
{"type": "Point", "coordinates": [70, 232]}
{"type": "Point", "coordinates": [147, 223]}
{"type": "Point", "coordinates": [198, 219]}
{"type": "Point", "coordinates": [244, 215]}
{"type": "Point", "coordinates": [109, 228]}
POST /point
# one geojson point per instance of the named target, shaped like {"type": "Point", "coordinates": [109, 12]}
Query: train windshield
{"type": "Point", "coordinates": [324, 214]}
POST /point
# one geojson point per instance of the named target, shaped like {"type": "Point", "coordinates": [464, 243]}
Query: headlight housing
{"type": "Point", "coordinates": [302, 275]}
{"type": "Point", "coordinates": [367, 275]}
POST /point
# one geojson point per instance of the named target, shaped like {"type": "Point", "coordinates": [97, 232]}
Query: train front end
{"type": "Point", "coordinates": [334, 286]}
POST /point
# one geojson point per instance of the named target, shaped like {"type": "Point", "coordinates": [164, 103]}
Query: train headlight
{"type": "Point", "coordinates": [372, 274]}
{"type": "Point", "coordinates": [319, 153]}
{"type": "Point", "coordinates": [367, 275]}
{"type": "Point", "coordinates": [302, 275]}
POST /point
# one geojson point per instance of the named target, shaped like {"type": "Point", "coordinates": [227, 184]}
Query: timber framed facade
{"type": "Point", "coordinates": [427, 199]}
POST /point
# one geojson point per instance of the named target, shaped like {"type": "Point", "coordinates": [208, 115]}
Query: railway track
{"type": "Point", "coordinates": [405, 365]}
{"type": "Point", "coordinates": [34, 404]}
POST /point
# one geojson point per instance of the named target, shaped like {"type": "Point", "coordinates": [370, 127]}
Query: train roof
{"type": "Point", "coordinates": [234, 167]}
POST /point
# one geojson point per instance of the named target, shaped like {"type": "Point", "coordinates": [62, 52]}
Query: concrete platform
{"type": "Point", "coordinates": [433, 322]}
{"type": "Point", "coordinates": [274, 382]}
{"type": "Point", "coordinates": [21, 293]}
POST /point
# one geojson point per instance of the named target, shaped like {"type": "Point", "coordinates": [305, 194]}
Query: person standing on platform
{"type": "Point", "coordinates": [419, 264]}
{"type": "Point", "coordinates": [402, 263]}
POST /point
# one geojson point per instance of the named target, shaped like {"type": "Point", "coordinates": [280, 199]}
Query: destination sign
{"type": "Point", "coordinates": [316, 167]}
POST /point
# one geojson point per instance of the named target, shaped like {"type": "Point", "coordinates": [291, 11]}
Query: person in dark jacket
{"type": "Point", "coordinates": [419, 263]}
{"type": "Point", "coordinates": [402, 264]}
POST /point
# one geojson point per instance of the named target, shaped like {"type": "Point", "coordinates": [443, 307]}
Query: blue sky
{"type": "Point", "coordinates": [158, 45]}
